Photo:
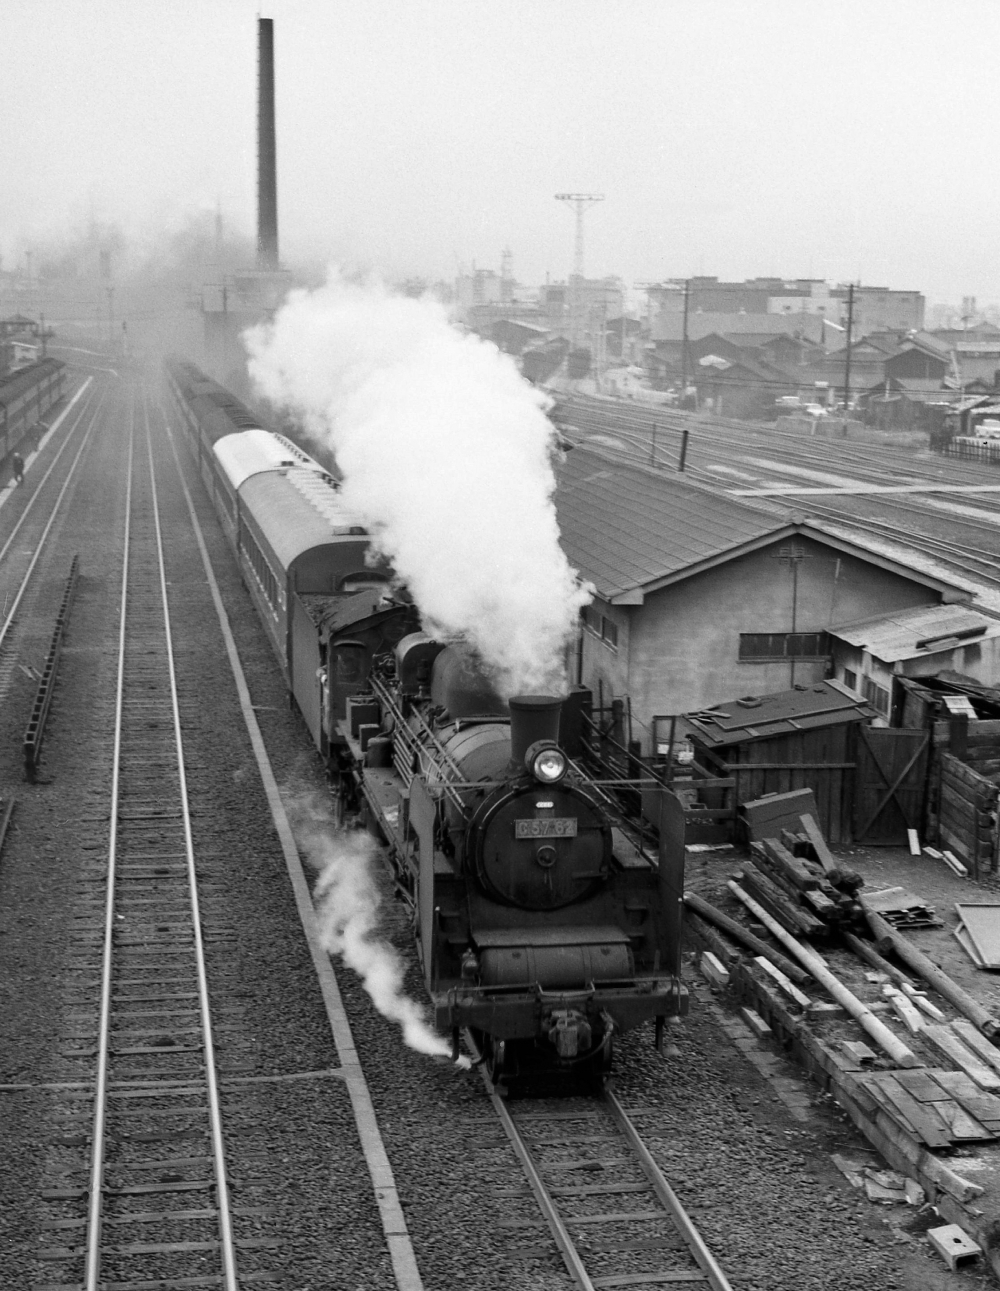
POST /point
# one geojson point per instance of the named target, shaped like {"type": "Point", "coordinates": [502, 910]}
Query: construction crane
{"type": "Point", "coordinates": [581, 201]}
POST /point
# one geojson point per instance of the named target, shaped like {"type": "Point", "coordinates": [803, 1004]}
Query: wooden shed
{"type": "Point", "coordinates": [797, 739]}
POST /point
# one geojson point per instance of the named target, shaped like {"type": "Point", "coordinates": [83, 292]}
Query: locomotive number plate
{"type": "Point", "coordinates": [550, 827]}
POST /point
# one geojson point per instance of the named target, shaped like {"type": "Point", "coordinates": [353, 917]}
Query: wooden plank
{"type": "Point", "coordinates": [977, 1042]}
{"type": "Point", "coordinates": [985, 730]}
{"type": "Point", "coordinates": [954, 769]}
{"type": "Point", "coordinates": [982, 923]}
{"type": "Point", "coordinates": [923, 1086]}
{"type": "Point", "coordinates": [984, 1107]}
{"type": "Point", "coordinates": [963, 809]}
{"type": "Point", "coordinates": [960, 1054]}
{"type": "Point", "coordinates": [746, 938]}
{"type": "Point", "coordinates": [922, 1120]}
{"type": "Point", "coordinates": [875, 1097]}
{"type": "Point", "coordinates": [793, 868]}
{"type": "Point", "coordinates": [821, 903]}
{"type": "Point", "coordinates": [738, 767]}
{"type": "Point", "coordinates": [815, 836]}
{"type": "Point", "coordinates": [788, 987]}
{"type": "Point", "coordinates": [962, 1126]}
{"type": "Point", "coordinates": [774, 901]}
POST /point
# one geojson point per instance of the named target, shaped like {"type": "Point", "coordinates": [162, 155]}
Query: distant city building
{"type": "Point", "coordinates": [875, 308]}
{"type": "Point", "coordinates": [582, 306]}
{"type": "Point", "coordinates": [878, 309]}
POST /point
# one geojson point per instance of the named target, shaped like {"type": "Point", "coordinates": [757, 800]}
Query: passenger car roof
{"type": "Point", "coordinates": [250, 451]}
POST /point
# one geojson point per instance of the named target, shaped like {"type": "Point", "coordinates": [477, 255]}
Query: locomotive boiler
{"type": "Point", "coordinates": [543, 928]}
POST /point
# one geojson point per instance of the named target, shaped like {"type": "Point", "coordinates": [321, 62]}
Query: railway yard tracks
{"type": "Point", "coordinates": [623, 1225]}
{"type": "Point", "coordinates": [653, 438]}
{"type": "Point", "coordinates": [25, 544]}
{"type": "Point", "coordinates": [181, 1115]}
{"type": "Point", "coordinates": [146, 1103]}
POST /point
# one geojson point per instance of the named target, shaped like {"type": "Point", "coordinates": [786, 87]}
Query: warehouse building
{"type": "Point", "coordinates": [700, 596]}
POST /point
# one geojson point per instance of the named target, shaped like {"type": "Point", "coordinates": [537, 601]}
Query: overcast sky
{"type": "Point", "coordinates": [852, 138]}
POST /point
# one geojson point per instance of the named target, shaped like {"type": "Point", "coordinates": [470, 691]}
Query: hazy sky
{"type": "Point", "coordinates": [730, 137]}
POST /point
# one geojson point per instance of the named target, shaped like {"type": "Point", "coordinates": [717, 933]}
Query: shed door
{"type": "Point", "coordinates": [890, 784]}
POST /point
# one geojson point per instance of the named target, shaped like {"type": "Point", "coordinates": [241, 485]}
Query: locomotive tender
{"type": "Point", "coordinates": [543, 924]}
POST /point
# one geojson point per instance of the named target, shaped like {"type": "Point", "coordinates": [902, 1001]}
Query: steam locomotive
{"type": "Point", "coordinates": [542, 927]}
{"type": "Point", "coordinates": [544, 924]}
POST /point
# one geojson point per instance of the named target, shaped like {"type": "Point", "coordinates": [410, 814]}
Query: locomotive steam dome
{"type": "Point", "coordinates": [461, 687]}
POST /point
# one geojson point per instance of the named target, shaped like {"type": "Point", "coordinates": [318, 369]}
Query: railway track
{"type": "Point", "coordinates": [610, 1210]}
{"type": "Point", "coordinates": [156, 1186]}
{"type": "Point", "coordinates": [26, 543]}
{"type": "Point", "coordinates": [639, 445]}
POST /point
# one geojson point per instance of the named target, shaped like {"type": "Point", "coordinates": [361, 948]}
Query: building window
{"type": "Point", "coordinates": [760, 647]}
{"type": "Point", "coordinates": [601, 626]}
{"type": "Point", "coordinates": [591, 619]}
{"type": "Point", "coordinates": [877, 696]}
{"type": "Point", "coordinates": [850, 679]}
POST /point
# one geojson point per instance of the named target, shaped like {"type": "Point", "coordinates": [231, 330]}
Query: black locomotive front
{"type": "Point", "coordinates": [543, 928]}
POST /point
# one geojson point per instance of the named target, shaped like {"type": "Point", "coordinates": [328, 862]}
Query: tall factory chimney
{"type": "Point", "coordinates": [267, 174]}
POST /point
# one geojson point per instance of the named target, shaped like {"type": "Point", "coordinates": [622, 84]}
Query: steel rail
{"type": "Point", "coordinates": [227, 1241]}
{"type": "Point", "coordinates": [706, 1261]}
{"type": "Point", "coordinates": [92, 1270]}
{"type": "Point", "coordinates": [557, 1226]}
{"type": "Point", "coordinates": [40, 545]}
{"type": "Point", "coordinates": [51, 467]}
{"type": "Point", "coordinates": [673, 1210]}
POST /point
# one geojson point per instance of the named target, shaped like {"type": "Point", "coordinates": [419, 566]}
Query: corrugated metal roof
{"type": "Point", "coordinates": [623, 526]}
{"type": "Point", "coordinates": [896, 636]}
{"type": "Point", "coordinates": [762, 717]}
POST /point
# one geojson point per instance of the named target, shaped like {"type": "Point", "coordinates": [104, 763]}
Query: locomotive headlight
{"type": "Point", "coordinates": [546, 762]}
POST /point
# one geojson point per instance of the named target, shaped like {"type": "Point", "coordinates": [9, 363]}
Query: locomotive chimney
{"type": "Point", "coordinates": [532, 718]}
{"type": "Point", "coordinates": [267, 177]}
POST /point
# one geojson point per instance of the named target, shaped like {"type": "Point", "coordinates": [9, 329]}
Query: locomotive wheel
{"type": "Point", "coordinates": [500, 1062]}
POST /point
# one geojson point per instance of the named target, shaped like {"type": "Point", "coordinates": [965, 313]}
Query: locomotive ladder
{"type": "Point", "coordinates": [625, 1209]}
{"type": "Point", "coordinates": [156, 1078]}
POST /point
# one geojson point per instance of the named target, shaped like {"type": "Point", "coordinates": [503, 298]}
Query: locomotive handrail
{"type": "Point", "coordinates": [424, 749]}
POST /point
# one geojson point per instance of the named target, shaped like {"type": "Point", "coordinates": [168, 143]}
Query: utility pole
{"type": "Point", "coordinates": [111, 318]}
{"type": "Point", "coordinates": [580, 201]}
{"type": "Point", "coordinates": [847, 360]}
{"type": "Point", "coordinates": [684, 340]}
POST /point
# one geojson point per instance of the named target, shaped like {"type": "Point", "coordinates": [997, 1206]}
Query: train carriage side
{"type": "Point", "coordinates": [296, 542]}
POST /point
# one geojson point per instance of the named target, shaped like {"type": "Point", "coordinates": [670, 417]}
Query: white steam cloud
{"type": "Point", "coordinates": [346, 902]}
{"type": "Point", "coordinates": [446, 454]}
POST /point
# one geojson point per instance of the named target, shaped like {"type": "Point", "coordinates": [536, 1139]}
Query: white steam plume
{"type": "Point", "coordinates": [446, 456]}
{"type": "Point", "coordinates": [346, 902]}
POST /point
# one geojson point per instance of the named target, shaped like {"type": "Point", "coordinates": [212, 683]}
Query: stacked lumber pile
{"type": "Point", "coordinates": [797, 881]}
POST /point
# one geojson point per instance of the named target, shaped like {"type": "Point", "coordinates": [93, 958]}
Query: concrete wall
{"type": "Point", "coordinates": [680, 650]}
